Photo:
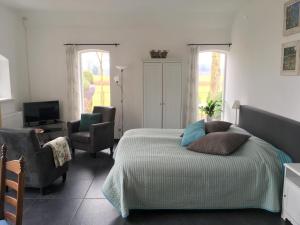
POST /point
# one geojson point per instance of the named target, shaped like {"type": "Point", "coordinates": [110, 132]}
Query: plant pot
{"type": "Point", "coordinates": [209, 118]}
{"type": "Point", "coordinates": [164, 54]}
{"type": "Point", "coordinates": [155, 54]}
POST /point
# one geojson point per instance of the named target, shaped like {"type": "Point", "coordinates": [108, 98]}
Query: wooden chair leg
{"type": "Point", "coordinates": [64, 177]}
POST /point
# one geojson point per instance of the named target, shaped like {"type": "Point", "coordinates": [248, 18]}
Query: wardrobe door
{"type": "Point", "coordinates": [153, 95]}
{"type": "Point", "coordinates": [172, 95]}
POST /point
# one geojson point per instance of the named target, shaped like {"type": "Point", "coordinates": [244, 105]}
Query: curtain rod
{"type": "Point", "coordinates": [115, 44]}
{"type": "Point", "coordinates": [229, 44]}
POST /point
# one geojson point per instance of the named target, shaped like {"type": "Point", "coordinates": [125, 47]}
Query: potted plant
{"type": "Point", "coordinates": [212, 107]}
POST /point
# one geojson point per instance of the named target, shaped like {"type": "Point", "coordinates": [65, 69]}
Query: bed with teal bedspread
{"type": "Point", "coordinates": [152, 171]}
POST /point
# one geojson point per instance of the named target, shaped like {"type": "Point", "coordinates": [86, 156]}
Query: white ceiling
{"type": "Point", "coordinates": [205, 14]}
{"type": "Point", "coordinates": [107, 6]}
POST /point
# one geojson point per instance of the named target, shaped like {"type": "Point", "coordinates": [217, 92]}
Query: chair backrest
{"type": "Point", "coordinates": [24, 142]}
{"type": "Point", "coordinates": [108, 113]}
{"type": "Point", "coordinates": [20, 142]}
{"type": "Point", "coordinates": [16, 167]}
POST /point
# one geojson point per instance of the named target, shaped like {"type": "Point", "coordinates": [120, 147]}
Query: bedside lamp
{"type": "Point", "coordinates": [236, 105]}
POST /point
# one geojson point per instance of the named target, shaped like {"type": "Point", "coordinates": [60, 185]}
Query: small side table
{"type": "Point", "coordinates": [291, 194]}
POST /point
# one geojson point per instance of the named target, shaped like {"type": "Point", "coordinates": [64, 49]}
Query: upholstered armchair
{"type": "Point", "coordinates": [99, 137]}
{"type": "Point", "coordinates": [40, 168]}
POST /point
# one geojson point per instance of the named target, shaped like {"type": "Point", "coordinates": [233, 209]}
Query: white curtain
{"type": "Point", "coordinates": [192, 86]}
{"type": "Point", "coordinates": [73, 83]}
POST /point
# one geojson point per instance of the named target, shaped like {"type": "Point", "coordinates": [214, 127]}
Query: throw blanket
{"type": "Point", "coordinates": [152, 171]}
{"type": "Point", "coordinates": [61, 151]}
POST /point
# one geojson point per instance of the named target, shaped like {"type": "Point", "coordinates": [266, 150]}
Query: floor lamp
{"type": "Point", "coordinates": [119, 81]}
{"type": "Point", "coordinates": [0, 117]}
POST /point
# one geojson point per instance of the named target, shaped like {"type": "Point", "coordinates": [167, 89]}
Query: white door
{"type": "Point", "coordinates": [153, 95]}
{"type": "Point", "coordinates": [172, 95]}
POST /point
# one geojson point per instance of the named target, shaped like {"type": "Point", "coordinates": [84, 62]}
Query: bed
{"type": "Point", "coordinates": [152, 170]}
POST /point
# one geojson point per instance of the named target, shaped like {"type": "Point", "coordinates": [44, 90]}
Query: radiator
{"type": "Point", "coordinates": [12, 120]}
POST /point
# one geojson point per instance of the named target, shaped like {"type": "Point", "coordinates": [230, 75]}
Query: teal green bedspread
{"type": "Point", "coordinates": [152, 171]}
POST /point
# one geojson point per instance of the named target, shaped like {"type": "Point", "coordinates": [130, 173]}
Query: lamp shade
{"type": "Point", "coordinates": [121, 67]}
{"type": "Point", "coordinates": [236, 104]}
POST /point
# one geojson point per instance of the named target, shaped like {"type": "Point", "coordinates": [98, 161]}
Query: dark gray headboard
{"type": "Point", "coordinates": [279, 131]}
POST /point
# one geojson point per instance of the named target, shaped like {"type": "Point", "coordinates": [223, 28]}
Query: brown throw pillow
{"type": "Point", "coordinates": [217, 126]}
{"type": "Point", "coordinates": [219, 143]}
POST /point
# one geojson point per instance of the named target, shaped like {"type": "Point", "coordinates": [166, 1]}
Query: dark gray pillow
{"type": "Point", "coordinates": [217, 126]}
{"type": "Point", "coordinates": [219, 143]}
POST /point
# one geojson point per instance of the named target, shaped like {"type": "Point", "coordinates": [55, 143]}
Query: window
{"type": "Point", "coordinates": [95, 79]}
{"type": "Point", "coordinates": [212, 66]}
{"type": "Point", "coordinates": [5, 88]}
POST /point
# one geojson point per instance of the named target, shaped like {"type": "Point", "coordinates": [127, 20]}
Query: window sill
{"type": "Point", "coordinates": [6, 99]}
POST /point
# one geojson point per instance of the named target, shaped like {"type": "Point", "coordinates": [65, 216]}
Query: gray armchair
{"type": "Point", "coordinates": [99, 137]}
{"type": "Point", "coordinates": [40, 169]}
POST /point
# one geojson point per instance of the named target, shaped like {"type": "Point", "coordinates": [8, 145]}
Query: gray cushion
{"type": "Point", "coordinates": [219, 143]}
{"type": "Point", "coordinates": [217, 126]}
{"type": "Point", "coordinates": [83, 137]}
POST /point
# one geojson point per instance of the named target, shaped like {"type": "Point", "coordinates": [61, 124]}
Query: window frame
{"type": "Point", "coordinates": [225, 52]}
{"type": "Point", "coordinates": [80, 52]}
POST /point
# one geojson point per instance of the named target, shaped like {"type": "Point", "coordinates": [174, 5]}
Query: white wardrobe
{"type": "Point", "coordinates": [162, 94]}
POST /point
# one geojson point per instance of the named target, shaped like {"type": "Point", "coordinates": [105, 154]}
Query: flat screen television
{"type": "Point", "coordinates": [41, 112]}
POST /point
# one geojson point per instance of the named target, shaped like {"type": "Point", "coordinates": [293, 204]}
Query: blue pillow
{"type": "Point", "coordinates": [193, 132]}
{"type": "Point", "coordinates": [88, 119]}
{"type": "Point", "coordinates": [3, 222]}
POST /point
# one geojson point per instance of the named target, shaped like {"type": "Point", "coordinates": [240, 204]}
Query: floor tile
{"type": "Point", "coordinates": [51, 212]}
{"type": "Point", "coordinates": [95, 190]}
{"type": "Point", "coordinates": [68, 190]}
{"type": "Point", "coordinates": [97, 212]}
{"type": "Point", "coordinates": [80, 202]}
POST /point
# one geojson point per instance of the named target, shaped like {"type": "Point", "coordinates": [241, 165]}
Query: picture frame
{"type": "Point", "coordinates": [290, 59]}
{"type": "Point", "coordinates": [291, 24]}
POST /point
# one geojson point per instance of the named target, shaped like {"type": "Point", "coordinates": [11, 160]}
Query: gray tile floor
{"type": "Point", "coordinates": [80, 202]}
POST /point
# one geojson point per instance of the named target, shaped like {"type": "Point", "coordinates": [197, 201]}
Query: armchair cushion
{"type": "Point", "coordinates": [87, 119]}
{"type": "Point", "coordinates": [83, 137]}
{"type": "Point", "coordinates": [3, 222]}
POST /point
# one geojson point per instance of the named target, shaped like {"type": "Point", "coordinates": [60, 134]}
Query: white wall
{"type": "Point", "coordinates": [254, 62]}
{"type": "Point", "coordinates": [12, 47]}
{"type": "Point", "coordinates": [47, 54]}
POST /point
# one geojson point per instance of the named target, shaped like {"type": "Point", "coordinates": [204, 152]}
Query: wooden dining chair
{"type": "Point", "coordinates": [16, 167]}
